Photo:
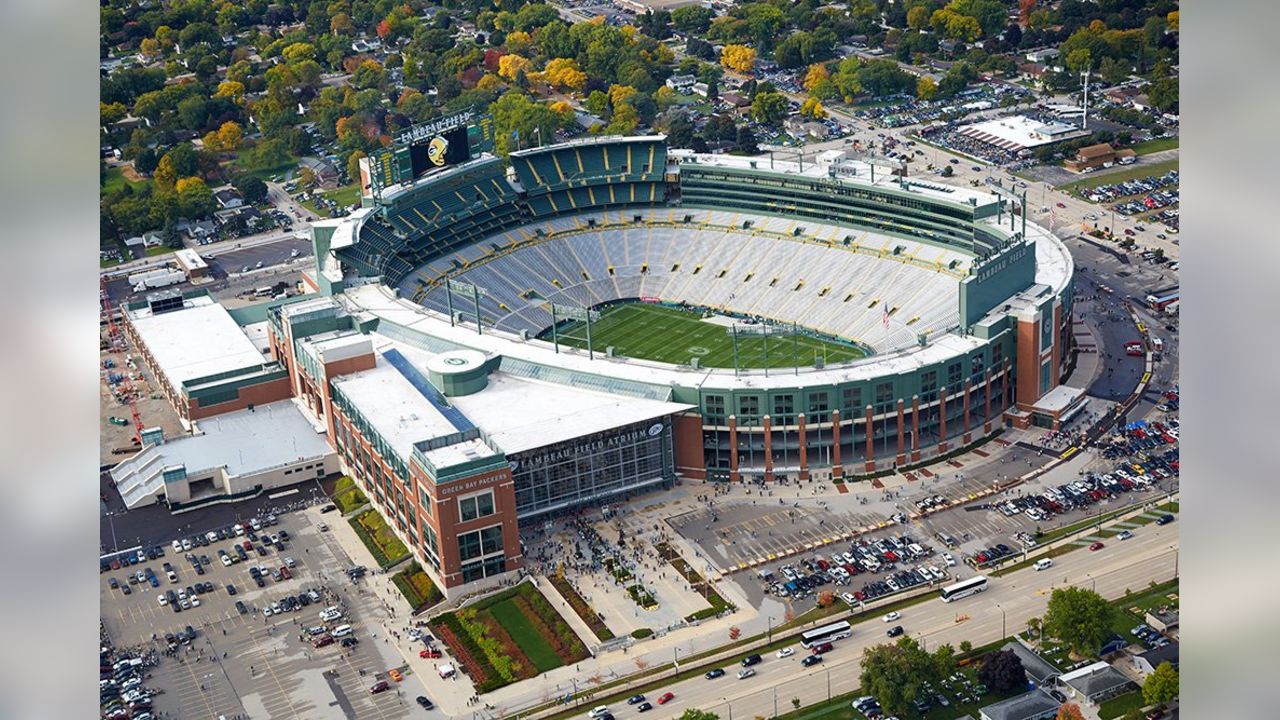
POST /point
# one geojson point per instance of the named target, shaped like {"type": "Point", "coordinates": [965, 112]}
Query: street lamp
{"type": "Point", "coordinates": [770, 629]}
{"type": "Point", "coordinates": [730, 706]}
{"type": "Point", "coordinates": [828, 687]}
{"type": "Point", "coordinates": [1003, 625]}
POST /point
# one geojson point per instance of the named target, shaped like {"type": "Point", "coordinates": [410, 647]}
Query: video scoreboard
{"type": "Point", "coordinates": [433, 145]}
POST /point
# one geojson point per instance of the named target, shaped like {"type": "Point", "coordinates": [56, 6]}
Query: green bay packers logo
{"type": "Point", "coordinates": [436, 150]}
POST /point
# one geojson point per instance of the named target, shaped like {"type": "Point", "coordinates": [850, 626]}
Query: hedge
{"type": "Point", "coordinates": [386, 548]}
{"type": "Point", "coordinates": [580, 606]}
{"type": "Point", "coordinates": [416, 586]}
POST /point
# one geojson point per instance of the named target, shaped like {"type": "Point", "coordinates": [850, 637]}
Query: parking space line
{"type": "Point", "coordinates": [271, 670]}
{"type": "Point", "coordinates": [212, 715]}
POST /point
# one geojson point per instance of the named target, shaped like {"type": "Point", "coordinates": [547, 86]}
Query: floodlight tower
{"type": "Point", "coordinates": [1084, 116]}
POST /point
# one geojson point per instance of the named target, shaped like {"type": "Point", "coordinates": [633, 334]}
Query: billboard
{"type": "Point", "coordinates": [444, 150]}
{"type": "Point", "coordinates": [429, 146]}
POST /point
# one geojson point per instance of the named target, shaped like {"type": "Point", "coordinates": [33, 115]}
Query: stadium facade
{"type": "Point", "coordinates": [418, 356]}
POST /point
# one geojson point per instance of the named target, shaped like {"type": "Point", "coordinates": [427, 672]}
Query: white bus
{"type": "Point", "coordinates": [964, 588]}
{"type": "Point", "coordinates": [826, 633]}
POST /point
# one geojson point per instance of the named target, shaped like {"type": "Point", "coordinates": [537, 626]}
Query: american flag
{"type": "Point", "coordinates": [885, 317]}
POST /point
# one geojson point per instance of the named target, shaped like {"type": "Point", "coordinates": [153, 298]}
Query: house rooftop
{"type": "Point", "coordinates": [1095, 679]}
{"type": "Point", "coordinates": [1032, 705]}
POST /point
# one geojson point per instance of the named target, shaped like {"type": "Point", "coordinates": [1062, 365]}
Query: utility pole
{"type": "Point", "coordinates": [1084, 116]}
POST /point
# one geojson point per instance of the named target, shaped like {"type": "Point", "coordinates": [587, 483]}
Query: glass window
{"type": "Point", "coordinates": [714, 410]}
{"type": "Point", "coordinates": [851, 400]}
{"type": "Point", "coordinates": [884, 397]}
{"type": "Point", "coordinates": [476, 506]}
{"type": "Point", "coordinates": [749, 409]}
{"type": "Point", "coordinates": [953, 376]}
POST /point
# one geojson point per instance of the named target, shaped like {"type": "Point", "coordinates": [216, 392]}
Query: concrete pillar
{"type": "Point", "coordinates": [942, 420]}
{"type": "Point", "coordinates": [871, 446]}
{"type": "Point", "coordinates": [968, 438]}
{"type": "Point", "coordinates": [837, 470]}
{"type": "Point", "coordinates": [986, 425]}
{"type": "Point", "coordinates": [768, 448]}
{"type": "Point", "coordinates": [804, 449]}
{"type": "Point", "coordinates": [902, 456]}
{"type": "Point", "coordinates": [734, 476]}
{"type": "Point", "coordinates": [915, 428]}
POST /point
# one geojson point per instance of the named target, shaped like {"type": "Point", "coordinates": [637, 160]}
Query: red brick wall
{"type": "Point", "coordinates": [687, 440]}
{"type": "Point", "coordinates": [260, 394]}
{"type": "Point", "coordinates": [1027, 388]}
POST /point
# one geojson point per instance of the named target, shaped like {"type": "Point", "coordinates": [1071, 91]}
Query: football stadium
{"type": "Point", "coordinates": [491, 340]}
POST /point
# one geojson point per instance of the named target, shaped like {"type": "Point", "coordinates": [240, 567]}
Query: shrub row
{"type": "Point", "coordinates": [417, 587]}
{"type": "Point", "coordinates": [499, 650]}
{"type": "Point", "coordinates": [447, 629]}
{"type": "Point", "coordinates": [580, 606]}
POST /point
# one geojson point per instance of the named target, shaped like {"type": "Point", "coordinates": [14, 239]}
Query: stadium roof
{"type": "Point", "coordinates": [198, 340]}
{"type": "Point", "coordinates": [517, 413]}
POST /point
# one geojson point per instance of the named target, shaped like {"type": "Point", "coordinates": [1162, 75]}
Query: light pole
{"type": "Point", "coordinates": [730, 706]}
{"type": "Point", "coordinates": [828, 688]}
{"type": "Point", "coordinates": [770, 629]}
{"type": "Point", "coordinates": [1003, 626]}
{"type": "Point", "coordinates": [675, 658]}
{"type": "Point", "coordinates": [1175, 561]}
{"type": "Point", "coordinates": [775, 701]}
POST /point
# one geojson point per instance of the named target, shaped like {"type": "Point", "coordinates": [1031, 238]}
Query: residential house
{"type": "Point", "coordinates": [228, 197]}
{"type": "Point", "coordinates": [587, 121]}
{"type": "Point", "coordinates": [734, 100]}
{"type": "Point", "coordinates": [1159, 621]}
{"type": "Point", "coordinates": [153, 238]}
{"type": "Point", "coordinates": [1043, 56]}
{"type": "Point", "coordinates": [1034, 705]}
{"type": "Point", "coordinates": [800, 127]}
{"type": "Point", "coordinates": [1038, 669]}
{"type": "Point", "coordinates": [682, 84]}
{"type": "Point", "coordinates": [1140, 102]}
{"type": "Point", "coordinates": [1147, 662]}
{"type": "Point", "coordinates": [1035, 72]}
{"type": "Point", "coordinates": [1122, 95]}
{"type": "Point", "coordinates": [202, 230]}
{"type": "Point", "coordinates": [700, 88]}
{"type": "Point", "coordinates": [1096, 683]}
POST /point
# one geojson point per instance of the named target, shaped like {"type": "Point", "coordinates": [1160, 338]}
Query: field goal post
{"type": "Point", "coordinates": [584, 316]}
{"type": "Point", "coordinates": [764, 331]}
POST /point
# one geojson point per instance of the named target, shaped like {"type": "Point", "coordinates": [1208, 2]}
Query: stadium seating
{"type": "Point", "coordinates": [766, 270]}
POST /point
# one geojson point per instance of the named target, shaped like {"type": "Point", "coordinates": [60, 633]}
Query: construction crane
{"type": "Point", "coordinates": [116, 343]}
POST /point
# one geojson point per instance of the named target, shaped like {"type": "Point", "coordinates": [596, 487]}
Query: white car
{"type": "Point", "coordinates": [891, 616]}
{"type": "Point", "coordinates": [195, 601]}
{"type": "Point", "coordinates": [849, 598]}
{"type": "Point", "coordinates": [163, 600]}
{"type": "Point", "coordinates": [177, 546]}
{"type": "Point", "coordinates": [226, 560]}
{"type": "Point", "coordinates": [745, 673]}
{"type": "Point", "coordinates": [267, 612]}
{"type": "Point", "coordinates": [1124, 535]}
{"type": "Point", "coordinates": [785, 652]}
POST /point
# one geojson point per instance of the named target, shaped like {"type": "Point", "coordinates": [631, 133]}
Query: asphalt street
{"type": "Point", "coordinates": [1151, 555]}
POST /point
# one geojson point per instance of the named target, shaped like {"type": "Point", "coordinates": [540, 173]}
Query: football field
{"type": "Point", "coordinates": [653, 332]}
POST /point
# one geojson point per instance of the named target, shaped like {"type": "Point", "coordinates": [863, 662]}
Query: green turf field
{"type": "Point", "coordinates": [652, 332]}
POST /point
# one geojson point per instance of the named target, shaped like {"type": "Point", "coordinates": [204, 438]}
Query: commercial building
{"type": "Point", "coordinates": [1092, 157]}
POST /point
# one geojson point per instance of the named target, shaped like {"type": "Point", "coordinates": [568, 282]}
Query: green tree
{"type": "Point", "coordinates": [680, 131]}
{"type": "Point", "coordinates": [195, 199]}
{"type": "Point", "coordinates": [693, 714]}
{"type": "Point", "coordinates": [1080, 60]}
{"type": "Point", "coordinates": [896, 674]}
{"type": "Point", "coordinates": [353, 164]}
{"type": "Point", "coordinates": [692, 19]}
{"type": "Point", "coordinates": [1161, 686]}
{"type": "Point", "coordinates": [252, 188]}
{"type": "Point", "coordinates": [883, 77]}
{"type": "Point", "coordinates": [769, 107]}
{"type": "Point", "coordinates": [1114, 71]}
{"type": "Point", "coordinates": [1164, 94]}
{"type": "Point", "coordinates": [1080, 618]}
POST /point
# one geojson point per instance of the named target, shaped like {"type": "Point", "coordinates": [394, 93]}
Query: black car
{"type": "Point", "coordinates": [349, 641]}
{"type": "Point", "coordinates": [328, 508]}
{"type": "Point", "coordinates": [811, 660]}
{"type": "Point", "coordinates": [635, 699]}
{"type": "Point", "coordinates": [425, 703]}
{"type": "Point", "coordinates": [231, 589]}
{"type": "Point", "coordinates": [713, 674]}
{"type": "Point", "coordinates": [644, 707]}
{"type": "Point", "coordinates": [1165, 519]}
{"type": "Point", "coordinates": [894, 631]}
{"type": "Point", "coordinates": [750, 660]}
{"type": "Point", "coordinates": [241, 608]}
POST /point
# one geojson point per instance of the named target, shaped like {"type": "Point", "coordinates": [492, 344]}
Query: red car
{"type": "Point", "coordinates": [248, 546]}
{"type": "Point", "coordinates": [284, 573]}
{"type": "Point", "coordinates": [665, 698]}
{"type": "Point", "coordinates": [429, 654]}
{"type": "Point", "coordinates": [322, 641]}
{"type": "Point", "coordinates": [1097, 546]}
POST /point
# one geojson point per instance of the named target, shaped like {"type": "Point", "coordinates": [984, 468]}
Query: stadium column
{"type": "Point", "coordinates": [942, 420]}
{"type": "Point", "coordinates": [871, 440]}
{"type": "Point", "coordinates": [733, 449]}
{"type": "Point", "coordinates": [915, 428]}
{"type": "Point", "coordinates": [967, 436]}
{"type": "Point", "coordinates": [804, 449]}
{"type": "Point", "coordinates": [986, 417]}
{"type": "Point", "coordinates": [837, 470]}
{"type": "Point", "coordinates": [768, 448]}
{"type": "Point", "coordinates": [902, 456]}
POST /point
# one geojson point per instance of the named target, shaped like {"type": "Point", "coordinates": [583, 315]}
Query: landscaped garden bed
{"type": "Point", "coordinates": [511, 636]}
{"type": "Point", "coordinates": [417, 587]}
{"type": "Point", "coordinates": [580, 606]}
{"type": "Point", "coordinates": [386, 548]}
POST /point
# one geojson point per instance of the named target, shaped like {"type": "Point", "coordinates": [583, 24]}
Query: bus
{"type": "Point", "coordinates": [826, 633]}
{"type": "Point", "coordinates": [964, 588]}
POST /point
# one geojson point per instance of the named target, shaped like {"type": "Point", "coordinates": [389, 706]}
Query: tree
{"type": "Point", "coordinates": [195, 199]}
{"type": "Point", "coordinates": [795, 703]}
{"type": "Point", "coordinates": [564, 73]}
{"type": "Point", "coordinates": [252, 188]}
{"type": "Point", "coordinates": [1034, 625]}
{"type": "Point", "coordinates": [307, 178]}
{"type": "Point", "coordinates": [738, 57]}
{"type": "Point", "coordinates": [692, 19]}
{"type": "Point", "coordinates": [826, 598]}
{"type": "Point", "coordinates": [1080, 60]}
{"type": "Point", "coordinates": [368, 75]}
{"type": "Point", "coordinates": [680, 132]}
{"type": "Point", "coordinates": [1163, 94]}
{"type": "Point", "coordinates": [1080, 618]}
{"type": "Point", "coordinates": [811, 108]}
{"type": "Point", "coordinates": [1002, 671]}
{"type": "Point", "coordinates": [353, 163]}
{"type": "Point", "coordinates": [747, 143]}
{"type": "Point", "coordinates": [1161, 686]}
{"type": "Point", "coordinates": [694, 714]}
{"type": "Point", "coordinates": [510, 65]}
{"type": "Point", "coordinates": [226, 138]}
{"type": "Point", "coordinates": [926, 88]}
{"type": "Point", "coordinates": [918, 17]}
{"type": "Point", "coordinates": [1114, 71]}
{"type": "Point", "coordinates": [1069, 711]}
{"type": "Point", "coordinates": [965, 646]}
{"type": "Point", "coordinates": [230, 89]}
{"type": "Point", "coordinates": [815, 77]}
{"type": "Point", "coordinates": [883, 77]}
{"type": "Point", "coordinates": [896, 674]}
{"type": "Point", "coordinates": [769, 107]}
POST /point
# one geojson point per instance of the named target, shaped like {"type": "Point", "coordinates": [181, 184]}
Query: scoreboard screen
{"type": "Point", "coordinates": [448, 148]}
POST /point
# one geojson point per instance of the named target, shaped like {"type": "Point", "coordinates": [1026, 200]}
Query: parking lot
{"type": "Point", "coordinates": [232, 655]}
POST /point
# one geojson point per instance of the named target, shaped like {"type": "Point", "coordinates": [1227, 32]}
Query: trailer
{"type": "Point", "coordinates": [1160, 302]}
{"type": "Point", "coordinates": [156, 279]}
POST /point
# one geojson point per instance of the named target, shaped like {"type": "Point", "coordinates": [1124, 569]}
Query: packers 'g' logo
{"type": "Point", "coordinates": [436, 150]}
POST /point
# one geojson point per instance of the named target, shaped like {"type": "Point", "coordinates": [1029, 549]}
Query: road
{"type": "Point", "coordinates": [227, 261]}
{"type": "Point", "coordinates": [1151, 555]}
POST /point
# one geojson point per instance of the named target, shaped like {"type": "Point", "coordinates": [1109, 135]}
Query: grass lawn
{"type": "Point", "coordinates": [345, 196]}
{"type": "Point", "coordinates": [376, 535]}
{"type": "Point", "coordinates": [114, 180]}
{"type": "Point", "coordinates": [270, 172]}
{"type": "Point", "coordinates": [522, 631]}
{"type": "Point", "coordinates": [1155, 145]}
{"type": "Point", "coordinates": [156, 251]}
{"type": "Point", "coordinates": [668, 335]}
{"type": "Point", "coordinates": [108, 263]}
{"type": "Point", "coordinates": [1118, 706]}
{"type": "Point", "coordinates": [1133, 173]}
